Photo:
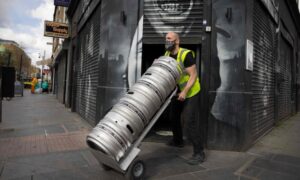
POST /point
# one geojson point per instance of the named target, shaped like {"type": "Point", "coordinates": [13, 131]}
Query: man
{"type": "Point", "coordinates": [187, 101]}
{"type": "Point", "coordinates": [45, 86]}
{"type": "Point", "coordinates": [33, 83]}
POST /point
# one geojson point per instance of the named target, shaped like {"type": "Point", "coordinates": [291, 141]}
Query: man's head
{"type": "Point", "coordinates": [172, 42]}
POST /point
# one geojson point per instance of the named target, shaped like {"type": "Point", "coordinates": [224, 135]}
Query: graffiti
{"type": "Point", "coordinates": [88, 102]}
{"type": "Point", "coordinates": [264, 75]}
{"type": "Point", "coordinates": [169, 15]}
{"type": "Point", "coordinates": [81, 59]}
{"type": "Point", "coordinates": [90, 41]}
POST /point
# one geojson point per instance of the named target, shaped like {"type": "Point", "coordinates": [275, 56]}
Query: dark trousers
{"type": "Point", "coordinates": [190, 125]}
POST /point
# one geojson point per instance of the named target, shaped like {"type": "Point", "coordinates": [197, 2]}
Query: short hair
{"type": "Point", "coordinates": [175, 34]}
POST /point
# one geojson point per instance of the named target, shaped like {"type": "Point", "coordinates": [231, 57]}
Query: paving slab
{"type": "Point", "coordinates": [291, 160]}
{"type": "Point", "coordinates": [272, 175]}
{"type": "Point", "coordinates": [168, 165]}
{"type": "Point", "coordinates": [85, 173]}
{"type": "Point", "coordinates": [277, 167]}
{"type": "Point", "coordinates": [17, 170]}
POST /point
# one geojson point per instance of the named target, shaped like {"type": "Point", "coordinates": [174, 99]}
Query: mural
{"type": "Point", "coordinates": [135, 55]}
{"type": "Point", "coordinates": [118, 50]}
{"type": "Point", "coordinates": [228, 107]}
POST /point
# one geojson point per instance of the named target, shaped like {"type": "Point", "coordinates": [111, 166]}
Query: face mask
{"type": "Point", "coordinates": [170, 45]}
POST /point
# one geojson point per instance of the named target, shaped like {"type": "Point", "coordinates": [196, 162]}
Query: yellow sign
{"type": "Point", "coordinates": [56, 29]}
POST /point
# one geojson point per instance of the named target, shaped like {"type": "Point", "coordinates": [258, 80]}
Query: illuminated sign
{"type": "Point", "coordinates": [56, 29]}
{"type": "Point", "coordinates": [62, 3]}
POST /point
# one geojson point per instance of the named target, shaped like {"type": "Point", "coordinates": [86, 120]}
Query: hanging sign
{"type": "Point", "coordinates": [64, 3]}
{"type": "Point", "coordinates": [56, 29]}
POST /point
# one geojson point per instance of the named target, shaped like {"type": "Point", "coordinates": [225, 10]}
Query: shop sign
{"type": "Point", "coordinates": [56, 29]}
{"type": "Point", "coordinates": [64, 3]}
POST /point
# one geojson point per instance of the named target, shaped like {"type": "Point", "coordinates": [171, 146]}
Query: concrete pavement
{"type": "Point", "coordinates": [41, 139]}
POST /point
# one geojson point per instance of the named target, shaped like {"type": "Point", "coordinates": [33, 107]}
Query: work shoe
{"type": "Point", "coordinates": [175, 144]}
{"type": "Point", "coordinates": [197, 159]}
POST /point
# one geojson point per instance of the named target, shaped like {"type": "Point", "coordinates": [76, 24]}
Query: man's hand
{"type": "Point", "coordinates": [181, 96]}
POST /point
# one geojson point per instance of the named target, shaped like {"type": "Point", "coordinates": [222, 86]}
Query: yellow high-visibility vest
{"type": "Point", "coordinates": [195, 89]}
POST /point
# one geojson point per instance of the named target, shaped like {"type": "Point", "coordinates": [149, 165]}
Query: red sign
{"type": "Point", "coordinates": [46, 71]}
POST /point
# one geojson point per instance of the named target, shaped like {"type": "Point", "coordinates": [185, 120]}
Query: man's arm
{"type": "Point", "coordinates": [192, 71]}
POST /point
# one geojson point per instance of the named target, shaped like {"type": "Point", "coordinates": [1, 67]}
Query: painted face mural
{"type": "Point", "coordinates": [135, 55]}
{"type": "Point", "coordinates": [229, 28]}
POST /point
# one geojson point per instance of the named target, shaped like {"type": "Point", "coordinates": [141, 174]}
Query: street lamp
{"type": "Point", "coordinates": [43, 67]}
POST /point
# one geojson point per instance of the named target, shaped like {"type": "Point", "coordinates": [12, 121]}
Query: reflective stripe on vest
{"type": "Point", "coordinates": [185, 76]}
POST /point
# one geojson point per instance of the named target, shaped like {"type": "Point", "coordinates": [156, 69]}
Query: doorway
{"type": "Point", "coordinates": [161, 131]}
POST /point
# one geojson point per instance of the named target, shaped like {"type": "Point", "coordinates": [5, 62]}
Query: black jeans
{"type": "Point", "coordinates": [188, 111]}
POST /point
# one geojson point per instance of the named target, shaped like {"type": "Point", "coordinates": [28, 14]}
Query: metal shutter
{"type": "Point", "coordinates": [156, 25]}
{"type": "Point", "coordinates": [298, 78]}
{"type": "Point", "coordinates": [86, 71]}
{"type": "Point", "coordinates": [61, 78]}
{"type": "Point", "coordinates": [263, 75]}
{"type": "Point", "coordinates": [285, 80]}
{"type": "Point", "coordinates": [0, 94]}
{"type": "Point", "coordinates": [55, 79]}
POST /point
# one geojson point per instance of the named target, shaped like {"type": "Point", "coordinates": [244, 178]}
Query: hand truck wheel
{"type": "Point", "coordinates": [136, 171]}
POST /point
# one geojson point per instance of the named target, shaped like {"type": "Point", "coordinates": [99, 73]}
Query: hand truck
{"type": "Point", "coordinates": [129, 165]}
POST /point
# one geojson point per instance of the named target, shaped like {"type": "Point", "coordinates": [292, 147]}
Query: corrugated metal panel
{"type": "Point", "coordinates": [61, 73]}
{"type": "Point", "coordinates": [263, 76]}
{"type": "Point", "coordinates": [56, 80]}
{"type": "Point", "coordinates": [0, 93]}
{"type": "Point", "coordinates": [285, 80]}
{"type": "Point", "coordinates": [87, 68]}
{"type": "Point", "coordinates": [75, 56]}
{"type": "Point", "coordinates": [298, 77]}
{"type": "Point", "coordinates": [182, 16]}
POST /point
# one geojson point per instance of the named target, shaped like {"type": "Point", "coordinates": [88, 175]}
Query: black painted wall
{"type": "Point", "coordinates": [0, 94]}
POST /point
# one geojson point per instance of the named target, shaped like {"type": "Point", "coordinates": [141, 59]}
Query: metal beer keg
{"type": "Point", "coordinates": [123, 124]}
